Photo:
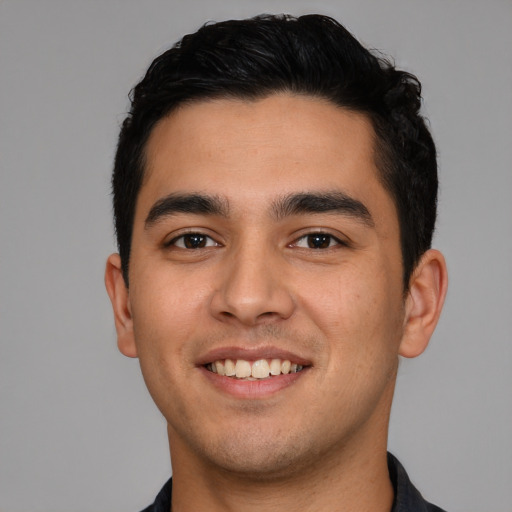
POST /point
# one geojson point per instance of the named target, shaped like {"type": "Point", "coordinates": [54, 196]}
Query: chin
{"type": "Point", "coordinates": [255, 454]}
{"type": "Point", "coordinates": [268, 461]}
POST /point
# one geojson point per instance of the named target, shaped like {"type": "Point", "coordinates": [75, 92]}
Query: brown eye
{"type": "Point", "coordinates": [193, 241]}
{"type": "Point", "coordinates": [317, 241]}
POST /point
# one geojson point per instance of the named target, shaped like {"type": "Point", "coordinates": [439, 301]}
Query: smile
{"type": "Point", "coordinates": [253, 370]}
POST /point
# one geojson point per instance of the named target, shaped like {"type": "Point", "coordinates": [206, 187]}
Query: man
{"type": "Point", "coordinates": [275, 198]}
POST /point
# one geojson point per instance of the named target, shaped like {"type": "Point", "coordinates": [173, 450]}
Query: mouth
{"type": "Point", "coordinates": [259, 369]}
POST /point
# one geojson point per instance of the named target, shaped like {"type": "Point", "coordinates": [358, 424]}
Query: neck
{"type": "Point", "coordinates": [355, 480]}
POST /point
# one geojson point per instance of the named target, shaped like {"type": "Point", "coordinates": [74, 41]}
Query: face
{"type": "Point", "coordinates": [263, 243]}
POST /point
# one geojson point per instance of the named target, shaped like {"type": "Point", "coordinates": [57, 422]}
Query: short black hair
{"type": "Point", "coordinates": [310, 55]}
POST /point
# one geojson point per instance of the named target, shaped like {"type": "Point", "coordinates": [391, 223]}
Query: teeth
{"type": "Point", "coordinates": [275, 367]}
{"type": "Point", "coordinates": [260, 369]}
{"type": "Point", "coordinates": [242, 369]}
{"type": "Point", "coordinates": [219, 366]}
{"type": "Point", "coordinates": [255, 370]}
{"type": "Point", "coordinates": [229, 368]}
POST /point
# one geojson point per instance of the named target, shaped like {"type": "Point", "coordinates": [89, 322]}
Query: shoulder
{"type": "Point", "coordinates": [407, 497]}
{"type": "Point", "coordinates": [162, 502]}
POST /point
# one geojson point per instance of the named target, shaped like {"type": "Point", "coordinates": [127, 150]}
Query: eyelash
{"type": "Point", "coordinates": [321, 236]}
{"type": "Point", "coordinates": [188, 236]}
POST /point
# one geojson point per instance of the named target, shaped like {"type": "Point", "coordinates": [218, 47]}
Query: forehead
{"type": "Point", "coordinates": [254, 150]}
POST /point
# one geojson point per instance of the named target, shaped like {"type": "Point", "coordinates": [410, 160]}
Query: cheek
{"type": "Point", "coordinates": [358, 312]}
{"type": "Point", "coordinates": [165, 312]}
{"type": "Point", "coordinates": [166, 308]}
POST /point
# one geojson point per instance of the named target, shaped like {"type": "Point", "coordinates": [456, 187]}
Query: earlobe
{"type": "Point", "coordinates": [424, 302]}
{"type": "Point", "coordinates": [119, 297]}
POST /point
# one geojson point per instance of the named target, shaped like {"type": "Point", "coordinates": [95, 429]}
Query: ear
{"type": "Point", "coordinates": [424, 302]}
{"type": "Point", "coordinates": [120, 298]}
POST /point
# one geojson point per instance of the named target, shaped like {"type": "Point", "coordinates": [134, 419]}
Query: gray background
{"type": "Point", "coordinates": [78, 431]}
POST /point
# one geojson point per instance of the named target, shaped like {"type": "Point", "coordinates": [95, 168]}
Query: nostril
{"type": "Point", "coordinates": [268, 314]}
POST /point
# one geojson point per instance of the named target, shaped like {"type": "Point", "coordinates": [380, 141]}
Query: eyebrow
{"type": "Point", "coordinates": [322, 202]}
{"type": "Point", "coordinates": [197, 204]}
{"type": "Point", "coordinates": [286, 206]}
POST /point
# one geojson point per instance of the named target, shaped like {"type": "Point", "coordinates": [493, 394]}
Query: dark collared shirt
{"type": "Point", "coordinates": [407, 497]}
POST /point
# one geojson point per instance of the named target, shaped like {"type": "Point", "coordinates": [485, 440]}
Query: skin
{"type": "Point", "coordinates": [258, 286]}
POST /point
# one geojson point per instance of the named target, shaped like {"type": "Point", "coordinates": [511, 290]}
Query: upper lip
{"type": "Point", "coordinates": [251, 354]}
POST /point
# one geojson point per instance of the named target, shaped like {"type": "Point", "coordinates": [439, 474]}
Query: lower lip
{"type": "Point", "coordinates": [252, 389]}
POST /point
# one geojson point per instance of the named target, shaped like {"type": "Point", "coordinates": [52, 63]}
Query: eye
{"type": "Point", "coordinates": [193, 241]}
{"type": "Point", "coordinates": [317, 241]}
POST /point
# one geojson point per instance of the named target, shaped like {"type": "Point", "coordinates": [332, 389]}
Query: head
{"type": "Point", "coordinates": [274, 192]}
{"type": "Point", "coordinates": [313, 56]}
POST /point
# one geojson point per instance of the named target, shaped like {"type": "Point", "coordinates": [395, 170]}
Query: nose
{"type": "Point", "coordinates": [253, 288]}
